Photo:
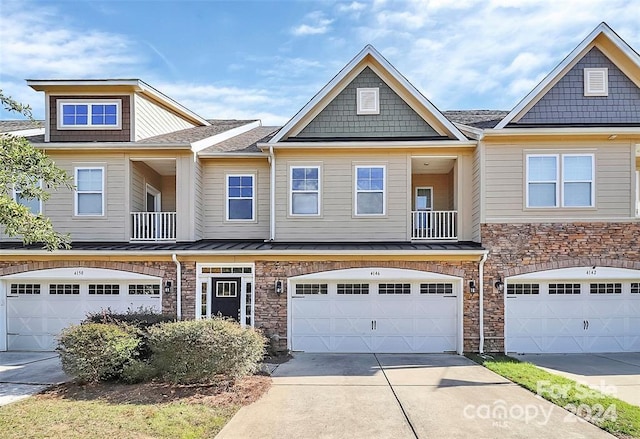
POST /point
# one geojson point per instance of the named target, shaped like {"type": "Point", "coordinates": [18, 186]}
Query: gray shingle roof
{"type": "Point", "coordinates": [255, 246]}
{"type": "Point", "coordinates": [18, 125]}
{"type": "Point", "coordinates": [245, 142]}
{"type": "Point", "coordinates": [190, 135]}
{"type": "Point", "coordinates": [476, 118]}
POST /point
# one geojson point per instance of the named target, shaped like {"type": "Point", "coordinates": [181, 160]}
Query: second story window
{"type": "Point", "coordinates": [89, 114]}
{"type": "Point", "coordinates": [556, 180]}
{"type": "Point", "coordinates": [240, 197]}
{"type": "Point", "coordinates": [34, 205]}
{"type": "Point", "coordinates": [305, 190]}
{"type": "Point", "coordinates": [370, 190]}
{"type": "Point", "coordinates": [89, 191]}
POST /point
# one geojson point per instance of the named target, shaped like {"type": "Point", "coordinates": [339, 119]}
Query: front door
{"type": "Point", "coordinates": [226, 297]}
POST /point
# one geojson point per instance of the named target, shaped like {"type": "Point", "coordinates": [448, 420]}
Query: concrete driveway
{"type": "Point", "coordinates": [24, 373]}
{"type": "Point", "coordinates": [616, 374]}
{"type": "Point", "coordinates": [399, 396]}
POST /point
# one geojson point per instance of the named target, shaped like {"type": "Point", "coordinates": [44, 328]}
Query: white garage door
{"type": "Point", "coordinates": [574, 310]}
{"type": "Point", "coordinates": [375, 310]}
{"type": "Point", "coordinates": [40, 304]}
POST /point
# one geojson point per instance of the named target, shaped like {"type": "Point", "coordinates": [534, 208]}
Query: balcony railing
{"type": "Point", "coordinates": [153, 226]}
{"type": "Point", "coordinates": [434, 225]}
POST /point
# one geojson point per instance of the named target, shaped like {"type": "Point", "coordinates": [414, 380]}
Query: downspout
{"type": "Point", "coordinates": [272, 192]}
{"type": "Point", "coordinates": [481, 299]}
{"type": "Point", "coordinates": [174, 257]}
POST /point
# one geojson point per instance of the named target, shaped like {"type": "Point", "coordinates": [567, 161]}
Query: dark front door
{"type": "Point", "coordinates": [226, 297]}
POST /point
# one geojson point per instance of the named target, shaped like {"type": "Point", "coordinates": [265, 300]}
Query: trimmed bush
{"type": "Point", "coordinates": [97, 352]}
{"type": "Point", "coordinates": [137, 371]}
{"type": "Point", "coordinates": [196, 351]}
{"type": "Point", "coordinates": [141, 318]}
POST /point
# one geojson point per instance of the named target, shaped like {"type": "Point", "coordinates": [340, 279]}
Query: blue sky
{"type": "Point", "coordinates": [266, 59]}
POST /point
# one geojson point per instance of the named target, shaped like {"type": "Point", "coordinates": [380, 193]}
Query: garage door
{"type": "Point", "coordinates": [40, 304]}
{"type": "Point", "coordinates": [375, 310]}
{"type": "Point", "coordinates": [573, 310]}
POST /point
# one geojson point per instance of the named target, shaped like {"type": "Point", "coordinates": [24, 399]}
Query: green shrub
{"type": "Point", "coordinates": [196, 351]}
{"type": "Point", "coordinates": [138, 371]}
{"type": "Point", "coordinates": [95, 351]}
{"type": "Point", "coordinates": [141, 318]}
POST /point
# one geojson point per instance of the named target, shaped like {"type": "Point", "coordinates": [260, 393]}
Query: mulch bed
{"type": "Point", "coordinates": [239, 392]}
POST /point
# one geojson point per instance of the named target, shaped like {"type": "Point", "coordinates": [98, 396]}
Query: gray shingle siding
{"type": "Point", "coordinates": [565, 103]}
{"type": "Point", "coordinates": [339, 118]}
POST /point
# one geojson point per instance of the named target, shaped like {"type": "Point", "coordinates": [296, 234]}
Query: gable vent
{"type": "Point", "coordinates": [368, 101]}
{"type": "Point", "coordinates": [596, 82]}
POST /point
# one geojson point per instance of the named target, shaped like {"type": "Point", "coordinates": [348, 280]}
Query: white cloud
{"type": "Point", "coordinates": [317, 24]}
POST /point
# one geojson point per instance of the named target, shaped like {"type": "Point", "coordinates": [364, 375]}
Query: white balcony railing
{"type": "Point", "coordinates": [434, 225]}
{"type": "Point", "coordinates": [153, 226]}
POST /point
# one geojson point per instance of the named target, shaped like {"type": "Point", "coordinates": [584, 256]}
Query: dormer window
{"type": "Point", "coordinates": [89, 114]}
{"type": "Point", "coordinates": [368, 101]}
{"type": "Point", "coordinates": [596, 82]}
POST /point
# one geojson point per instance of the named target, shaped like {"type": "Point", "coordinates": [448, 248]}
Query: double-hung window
{"type": "Point", "coordinates": [34, 205]}
{"type": "Point", "coordinates": [305, 190]}
{"type": "Point", "coordinates": [89, 191]}
{"type": "Point", "coordinates": [101, 114]}
{"type": "Point", "coordinates": [370, 190]}
{"type": "Point", "coordinates": [240, 197]}
{"type": "Point", "coordinates": [565, 180]}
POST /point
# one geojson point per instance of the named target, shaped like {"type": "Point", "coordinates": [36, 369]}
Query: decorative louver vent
{"type": "Point", "coordinates": [596, 82]}
{"type": "Point", "coordinates": [368, 101]}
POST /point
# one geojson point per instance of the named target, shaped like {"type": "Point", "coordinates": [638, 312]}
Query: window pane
{"type": "Point", "coordinates": [89, 204]}
{"type": "Point", "coordinates": [89, 180]}
{"type": "Point", "coordinates": [577, 194]}
{"type": "Point", "coordinates": [33, 205]}
{"type": "Point", "coordinates": [81, 120]}
{"type": "Point", "coordinates": [97, 119]}
{"type": "Point", "coordinates": [304, 179]}
{"type": "Point", "coordinates": [69, 120]}
{"type": "Point", "coordinates": [311, 173]}
{"type": "Point", "coordinates": [110, 120]}
{"type": "Point", "coordinates": [82, 109]}
{"type": "Point", "coordinates": [369, 203]}
{"type": "Point", "coordinates": [542, 194]}
{"type": "Point", "coordinates": [240, 209]}
{"type": "Point", "coordinates": [234, 192]}
{"type": "Point", "coordinates": [370, 179]}
{"type": "Point", "coordinates": [543, 169]}
{"type": "Point", "coordinates": [577, 168]}
{"type": "Point", "coordinates": [234, 181]}
{"type": "Point", "coordinates": [304, 203]}
{"type": "Point", "coordinates": [298, 173]}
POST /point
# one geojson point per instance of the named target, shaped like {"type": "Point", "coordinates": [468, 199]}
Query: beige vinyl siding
{"type": "Point", "coordinates": [505, 194]}
{"type": "Point", "coordinates": [214, 172]}
{"type": "Point", "coordinates": [199, 201]}
{"type": "Point", "coordinates": [186, 201]}
{"type": "Point", "coordinates": [168, 190]}
{"type": "Point", "coordinates": [141, 175]}
{"type": "Point", "coordinates": [337, 220]}
{"type": "Point", "coordinates": [151, 119]}
{"type": "Point", "coordinates": [442, 185]}
{"type": "Point", "coordinates": [476, 198]}
{"type": "Point", "coordinates": [60, 207]}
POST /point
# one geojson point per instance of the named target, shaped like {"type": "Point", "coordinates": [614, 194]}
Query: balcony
{"type": "Point", "coordinates": [434, 225]}
{"type": "Point", "coordinates": [153, 226]}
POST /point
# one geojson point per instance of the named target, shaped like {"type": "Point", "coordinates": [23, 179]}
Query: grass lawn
{"type": "Point", "coordinates": [129, 411]}
{"type": "Point", "coordinates": [611, 414]}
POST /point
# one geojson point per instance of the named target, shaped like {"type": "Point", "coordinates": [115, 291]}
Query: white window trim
{"type": "Point", "coordinates": [75, 197]}
{"type": "Point", "coordinates": [364, 111]}
{"type": "Point", "coordinates": [415, 199]}
{"type": "Point", "coordinates": [253, 197]}
{"type": "Point", "coordinates": [560, 181]}
{"type": "Point", "coordinates": [592, 181]}
{"type": "Point", "coordinates": [17, 192]}
{"type": "Point", "coordinates": [556, 181]}
{"type": "Point", "coordinates": [587, 73]}
{"type": "Point", "coordinates": [89, 102]}
{"type": "Point", "coordinates": [356, 190]}
{"type": "Point", "coordinates": [292, 191]}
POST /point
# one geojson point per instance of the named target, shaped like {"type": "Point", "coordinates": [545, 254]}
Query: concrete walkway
{"type": "Point", "coordinates": [23, 374]}
{"type": "Point", "coordinates": [616, 374]}
{"type": "Point", "coordinates": [399, 396]}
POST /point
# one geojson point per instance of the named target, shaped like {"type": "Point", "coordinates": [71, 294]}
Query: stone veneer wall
{"type": "Point", "coordinates": [271, 309]}
{"type": "Point", "coordinates": [164, 270]}
{"type": "Point", "coordinates": [525, 248]}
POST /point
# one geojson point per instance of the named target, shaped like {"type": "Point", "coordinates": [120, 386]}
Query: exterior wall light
{"type": "Point", "coordinates": [472, 287]}
{"type": "Point", "coordinates": [499, 285]}
{"type": "Point", "coordinates": [167, 286]}
{"type": "Point", "coordinates": [278, 287]}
